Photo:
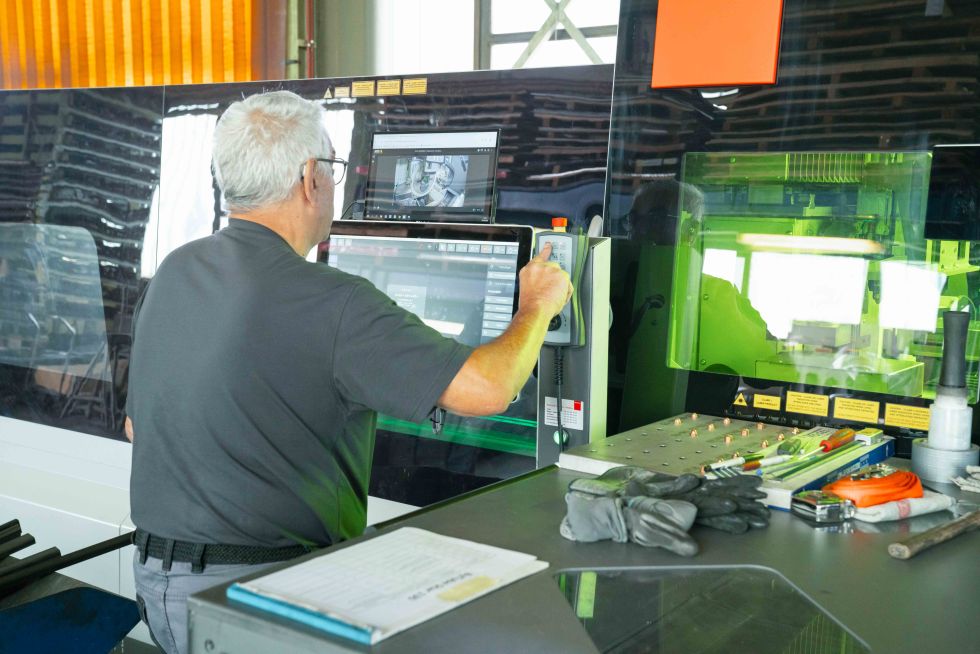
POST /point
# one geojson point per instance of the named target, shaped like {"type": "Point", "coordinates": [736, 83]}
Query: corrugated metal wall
{"type": "Point", "coordinates": [63, 43]}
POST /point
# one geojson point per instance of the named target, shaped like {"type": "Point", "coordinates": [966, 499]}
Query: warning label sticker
{"type": "Point", "coordinates": [416, 86]}
{"type": "Point", "coordinates": [389, 86]}
{"type": "Point", "coordinates": [847, 408]}
{"type": "Point", "coordinates": [740, 400]}
{"type": "Point", "coordinates": [572, 413]}
{"type": "Point", "coordinates": [809, 404]}
{"type": "Point", "coordinates": [361, 89]}
{"type": "Point", "coordinates": [771, 402]}
{"type": "Point", "coordinates": [910, 417]}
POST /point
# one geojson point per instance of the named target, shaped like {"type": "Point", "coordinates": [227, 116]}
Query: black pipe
{"type": "Point", "coordinates": [93, 551]}
{"type": "Point", "coordinates": [43, 567]}
{"type": "Point", "coordinates": [7, 525]}
{"type": "Point", "coordinates": [9, 531]}
{"type": "Point", "coordinates": [9, 569]}
{"type": "Point", "coordinates": [16, 575]}
{"type": "Point", "coordinates": [15, 545]}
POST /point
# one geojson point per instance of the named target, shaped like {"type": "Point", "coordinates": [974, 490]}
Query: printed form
{"type": "Point", "coordinates": [394, 581]}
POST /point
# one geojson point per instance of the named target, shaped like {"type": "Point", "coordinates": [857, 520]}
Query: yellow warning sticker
{"type": "Point", "coordinates": [771, 402]}
{"type": "Point", "coordinates": [810, 404]}
{"type": "Point", "coordinates": [389, 86]}
{"type": "Point", "coordinates": [416, 86]}
{"type": "Point", "coordinates": [361, 89]}
{"type": "Point", "coordinates": [341, 92]}
{"type": "Point", "coordinates": [740, 400]}
{"type": "Point", "coordinates": [847, 408]}
{"type": "Point", "coordinates": [328, 94]}
{"type": "Point", "coordinates": [910, 417]}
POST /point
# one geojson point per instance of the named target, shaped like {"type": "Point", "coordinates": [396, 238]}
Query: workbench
{"type": "Point", "coordinates": [925, 604]}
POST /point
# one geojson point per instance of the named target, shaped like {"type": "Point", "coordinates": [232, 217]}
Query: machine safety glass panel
{"type": "Point", "coordinates": [701, 611]}
{"type": "Point", "coordinates": [79, 172]}
{"type": "Point", "coordinates": [446, 176]}
{"type": "Point", "coordinates": [51, 311]}
{"type": "Point", "coordinates": [813, 268]}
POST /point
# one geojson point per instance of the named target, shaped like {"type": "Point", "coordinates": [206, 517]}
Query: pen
{"type": "Point", "coordinates": [768, 461]}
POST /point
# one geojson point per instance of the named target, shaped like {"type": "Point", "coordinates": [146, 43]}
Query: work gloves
{"type": "Point", "coordinates": [728, 504]}
{"type": "Point", "coordinates": [657, 510]}
{"type": "Point", "coordinates": [647, 521]}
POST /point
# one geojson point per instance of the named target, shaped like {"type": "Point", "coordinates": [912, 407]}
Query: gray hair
{"type": "Point", "coordinates": [261, 144]}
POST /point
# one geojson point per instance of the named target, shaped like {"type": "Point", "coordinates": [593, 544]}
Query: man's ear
{"type": "Point", "coordinates": [309, 179]}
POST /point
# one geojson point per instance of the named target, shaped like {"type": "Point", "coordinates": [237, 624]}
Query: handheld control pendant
{"type": "Point", "coordinates": [569, 252]}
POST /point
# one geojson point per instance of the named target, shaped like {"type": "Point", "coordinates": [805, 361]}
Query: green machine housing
{"type": "Point", "coordinates": [813, 268]}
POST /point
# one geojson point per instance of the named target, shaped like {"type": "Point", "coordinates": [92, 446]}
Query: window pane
{"type": "Point", "coordinates": [507, 16]}
{"type": "Point", "coordinates": [589, 13]}
{"type": "Point", "coordinates": [415, 35]}
{"type": "Point", "coordinates": [565, 52]}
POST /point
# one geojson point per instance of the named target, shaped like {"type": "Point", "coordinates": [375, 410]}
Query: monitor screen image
{"type": "Point", "coordinates": [433, 180]}
{"type": "Point", "coordinates": [462, 283]}
{"type": "Point", "coordinates": [446, 176]}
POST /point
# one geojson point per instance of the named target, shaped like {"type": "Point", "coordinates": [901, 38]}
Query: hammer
{"type": "Point", "coordinates": [912, 546]}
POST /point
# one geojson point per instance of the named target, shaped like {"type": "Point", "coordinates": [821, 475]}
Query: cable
{"type": "Point", "coordinates": [437, 418]}
{"type": "Point", "coordinates": [348, 207]}
{"type": "Point", "coordinates": [559, 373]}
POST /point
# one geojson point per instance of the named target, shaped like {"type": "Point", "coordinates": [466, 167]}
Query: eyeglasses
{"type": "Point", "coordinates": [337, 168]}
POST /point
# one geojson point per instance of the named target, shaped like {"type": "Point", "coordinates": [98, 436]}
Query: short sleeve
{"type": "Point", "coordinates": [387, 359]}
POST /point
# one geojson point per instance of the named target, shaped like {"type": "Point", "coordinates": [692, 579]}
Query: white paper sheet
{"type": "Point", "coordinates": [397, 580]}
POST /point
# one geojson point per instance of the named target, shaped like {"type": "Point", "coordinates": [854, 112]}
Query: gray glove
{"type": "Point", "coordinates": [630, 481]}
{"type": "Point", "coordinates": [647, 521]}
{"type": "Point", "coordinates": [728, 504]}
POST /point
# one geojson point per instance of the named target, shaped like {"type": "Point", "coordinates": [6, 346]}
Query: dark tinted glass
{"type": "Point", "coordinates": [954, 194]}
{"type": "Point", "coordinates": [97, 187]}
{"type": "Point", "coordinates": [773, 238]}
{"type": "Point", "coordinates": [78, 175]}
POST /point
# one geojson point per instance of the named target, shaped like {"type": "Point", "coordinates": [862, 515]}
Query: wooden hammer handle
{"type": "Point", "coordinates": [912, 546]}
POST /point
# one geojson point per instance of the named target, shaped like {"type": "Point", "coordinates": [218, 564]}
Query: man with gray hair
{"type": "Point", "coordinates": [256, 374]}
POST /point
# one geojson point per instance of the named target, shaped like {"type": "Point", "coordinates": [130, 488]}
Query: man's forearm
{"type": "Point", "coordinates": [519, 346]}
{"type": "Point", "coordinates": [495, 371]}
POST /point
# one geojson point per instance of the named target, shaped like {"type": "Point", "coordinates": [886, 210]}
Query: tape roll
{"type": "Point", "coordinates": [941, 465]}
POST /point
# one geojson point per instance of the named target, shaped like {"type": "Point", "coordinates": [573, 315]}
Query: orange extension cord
{"type": "Point", "coordinates": [877, 490]}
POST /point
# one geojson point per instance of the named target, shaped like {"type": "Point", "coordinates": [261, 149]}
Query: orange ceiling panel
{"type": "Point", "coordinates": [716, 42]}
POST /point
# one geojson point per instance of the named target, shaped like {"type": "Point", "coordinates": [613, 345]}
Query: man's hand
{"type": "Point", "coordinates": [544, 285]}
{"type": "Point", "coordinates": [497, 370]}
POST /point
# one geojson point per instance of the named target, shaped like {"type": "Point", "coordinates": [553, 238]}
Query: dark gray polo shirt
{"type": "Point", "coordinates": [253, 386]}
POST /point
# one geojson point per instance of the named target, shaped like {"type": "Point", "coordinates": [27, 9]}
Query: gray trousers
{"type": "Point", "coordinates": [162, 595]}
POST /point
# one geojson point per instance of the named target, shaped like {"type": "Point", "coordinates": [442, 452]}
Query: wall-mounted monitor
{"type": "Point", "coordinates": [432, 176]}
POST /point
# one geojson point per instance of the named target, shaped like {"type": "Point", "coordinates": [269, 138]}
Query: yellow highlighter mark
{"type": "Point", "coordinates": [466, 589]}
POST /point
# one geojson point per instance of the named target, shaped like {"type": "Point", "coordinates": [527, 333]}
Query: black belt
{"type": "Point", "coordinates": [201, 554]}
